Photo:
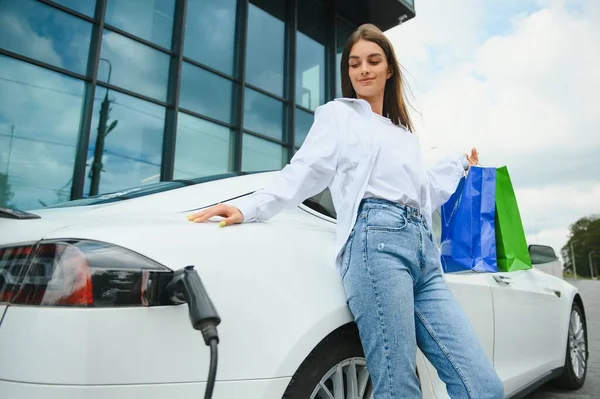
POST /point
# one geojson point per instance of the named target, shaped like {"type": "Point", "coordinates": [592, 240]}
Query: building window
{"type": "Point", "coordinates": [210, 33]}
{"type": "Point", "coordinates": [44, 33]}
{"type": "Point", "coordinates": [40, 113]}
{"type": "Point", "coordinates": [310, 55]}
{"type": "Point", "coordinates": [202, 148]}
{"type": "Point", "coordinates": [131, 150]}
{"type": "Point", "coordinates": [133, 66]}
{"type": "Point", "coordinates": [344, 30]}
{"type": "Point", "coordinates": [304, 121]}
{"type": "Point", "coordinates": [151, 20]}
{"type": "Point", "coordinates": [86, 7]}
{"type": "Point", "coordinates": [259, 154]}
{"type": "Point", "coordinates": [265, 55]}
{"type": "Point", "coordinates": [263, 114]}
{"type": "Point", "coordinates": [206, 93]}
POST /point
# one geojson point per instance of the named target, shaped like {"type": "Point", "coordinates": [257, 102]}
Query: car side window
{"type": "Point", "coordinates": [322, 203]}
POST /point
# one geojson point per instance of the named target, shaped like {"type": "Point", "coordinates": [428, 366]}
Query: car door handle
{"type": "Point", "coordinates": [502, 279]}
{"type": "Point", "coordinates": [554, 291]}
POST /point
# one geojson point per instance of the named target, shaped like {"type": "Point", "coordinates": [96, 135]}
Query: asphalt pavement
{"type": "Point", "coordinates": [590, 293]}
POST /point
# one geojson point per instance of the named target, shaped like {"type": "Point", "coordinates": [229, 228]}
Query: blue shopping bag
{"type": "Point", "coordinates": [468, 231]}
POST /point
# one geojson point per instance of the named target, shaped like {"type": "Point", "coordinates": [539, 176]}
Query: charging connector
{"type": "Point", "coordinates": [186, 287]}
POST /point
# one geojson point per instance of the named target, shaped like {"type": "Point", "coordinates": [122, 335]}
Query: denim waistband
{"type": "Point", "coordinates": [412, 214]}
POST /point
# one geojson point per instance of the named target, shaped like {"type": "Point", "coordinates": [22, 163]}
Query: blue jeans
{"type": "Point", "coordinates": [395, 289]}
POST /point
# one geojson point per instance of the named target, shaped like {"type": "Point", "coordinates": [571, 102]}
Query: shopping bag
{"type": "Point", "coordinates": [468, 239]}
{"type": "Point", "coordinates": [512, 251]}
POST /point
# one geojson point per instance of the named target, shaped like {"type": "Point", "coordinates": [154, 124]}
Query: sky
{"type": "Point", "coordinates": [519, 80]}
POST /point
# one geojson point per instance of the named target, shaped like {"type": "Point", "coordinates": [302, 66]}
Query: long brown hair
{"type": "Point", "coordinates": [394, 101]}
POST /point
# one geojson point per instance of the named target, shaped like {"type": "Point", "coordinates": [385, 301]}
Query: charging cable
{"type": "Point", "coordinates": [186, 287]}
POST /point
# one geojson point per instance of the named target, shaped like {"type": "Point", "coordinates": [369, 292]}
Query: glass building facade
{"type": "Point", "coordinates": [101, 95]}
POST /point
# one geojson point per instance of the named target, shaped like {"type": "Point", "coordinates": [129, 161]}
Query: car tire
{"type": "Point", "coordinates": [339, 350]}
{"type": "Point", "coordinates": [573, 376]}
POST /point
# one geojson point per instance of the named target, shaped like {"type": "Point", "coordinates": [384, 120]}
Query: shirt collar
{"type": "Point", "coordinates": [366, 106]}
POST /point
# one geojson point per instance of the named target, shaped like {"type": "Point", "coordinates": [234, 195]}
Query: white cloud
{"type": "Point", "coordinates": [547, 212]}
{"type": "Point", "coordinates": [19, 35]}
{"type": "Point", "coordinates": [522, 88]}
{"type": "Point", "coordinates": [134, 66]}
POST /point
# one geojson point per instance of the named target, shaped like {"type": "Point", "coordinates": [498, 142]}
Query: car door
{"type": "Point", "coordinates": [525, 306]}
{"type": "Point", "coordinates": [472, 291]}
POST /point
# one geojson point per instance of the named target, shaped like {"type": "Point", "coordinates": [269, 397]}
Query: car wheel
{"type": "Point", "coordinates": [336, 368]}
{"type": "Point", "coordinates": [575, 371]}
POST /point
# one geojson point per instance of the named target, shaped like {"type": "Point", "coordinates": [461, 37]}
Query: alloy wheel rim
{"type": "Point", "coordinates": [349, 379]}
{"type": "Point", "coordinates": [577, 344]}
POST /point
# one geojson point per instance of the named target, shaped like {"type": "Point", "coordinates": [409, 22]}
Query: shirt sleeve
{"type": "Point", "coordinates": [310, 171]}
{"type": "Point", "coordinates": [443, 179]}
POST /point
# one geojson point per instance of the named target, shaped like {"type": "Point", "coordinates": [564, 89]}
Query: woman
{"type": "Point", "coordinates": [362, 148]}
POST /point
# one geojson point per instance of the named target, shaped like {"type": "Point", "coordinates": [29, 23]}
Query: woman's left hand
{"type": "Point", "coordinates": [473, 158]}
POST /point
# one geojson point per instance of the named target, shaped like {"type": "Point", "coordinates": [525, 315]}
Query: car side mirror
{"type": "Point", "coordinates": [542, 254]}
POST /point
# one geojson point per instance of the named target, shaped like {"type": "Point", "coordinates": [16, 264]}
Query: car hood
{"type": "Point", "coordinates": [165, 207]}
{"type": "Point", "coordinates": [30, 230]}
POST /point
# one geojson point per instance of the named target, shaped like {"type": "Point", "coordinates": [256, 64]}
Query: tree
{"type": "Point", "coordinates": [6, 193]}
{"type": "Point", "coordinates": [585, 237]}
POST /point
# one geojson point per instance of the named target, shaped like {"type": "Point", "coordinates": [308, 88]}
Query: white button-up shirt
{"type": "Point", "coordinates": [398, 174]}
{"type": "Point", "coordinates": [356, 153]}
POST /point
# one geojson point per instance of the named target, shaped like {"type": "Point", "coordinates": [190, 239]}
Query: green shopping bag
{"type": "Point", "coordinates": [511, 245]}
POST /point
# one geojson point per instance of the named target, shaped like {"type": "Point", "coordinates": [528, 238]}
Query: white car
{"type": "Point", "coordinates": [87, 310]}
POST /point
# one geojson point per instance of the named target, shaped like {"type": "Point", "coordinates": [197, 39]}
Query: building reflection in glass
{"type": "Point", "coordinates": [40, 114]}
{"type": "Point", "coordinates": [132, 149]}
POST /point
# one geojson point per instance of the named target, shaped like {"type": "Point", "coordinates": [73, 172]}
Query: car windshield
{"type": "Point", "coordinates": [146, 189]}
